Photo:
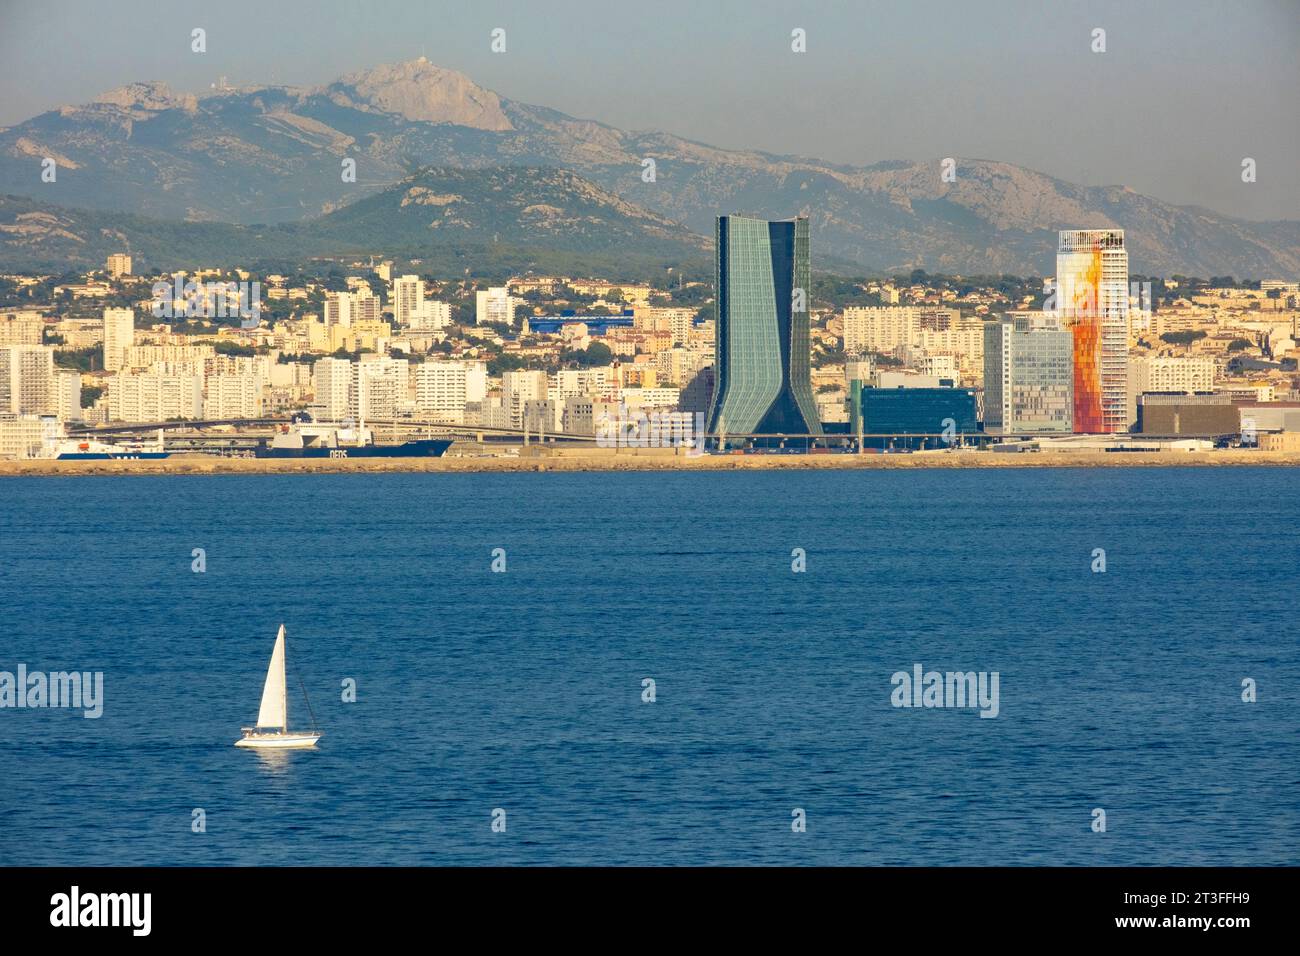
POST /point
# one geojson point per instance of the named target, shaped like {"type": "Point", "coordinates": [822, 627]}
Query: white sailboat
{"type": "Point", "coordinates": [272, 730]}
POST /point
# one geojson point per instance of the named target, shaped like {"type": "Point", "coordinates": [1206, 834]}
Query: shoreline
{"type": "Point", "coordinates": [632, 461]}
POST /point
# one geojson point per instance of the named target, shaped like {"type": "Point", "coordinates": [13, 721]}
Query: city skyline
{"type": "Point", "coordinates": [461, 361]}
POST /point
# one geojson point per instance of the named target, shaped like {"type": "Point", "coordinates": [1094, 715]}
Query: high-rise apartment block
{"type": "Point", "coordinates": [27, 380]}
{"type": "Point", "coordinates": [346, 309]}
{"type": "Point", "coordinates": [375, 388]}
{"type": "Point", "coordinates": [407, 299]}
{"type": "Point", "coordinates": [332, 384]}
{"type": "Point", "coordinates": [25, 327]}
{"type": "Point", "coordinates": [495, 305]}
{"type": "Point", "coordinates": [233, 396]}
{"type": "Point", "coordinates": [936, 329]}
{"type": "Point", "coordinates": [119, 335]}
{"type": "Point", "coordinates": [444, 388]}
{"type": "Point", "coordinates": [519, 388]}
{"type": "Point", "coordinates": [164, 393]}
{"type": "Point", "coordinates": [1092, 299]}
{"type": "Point", "coordinates": [433, 316]}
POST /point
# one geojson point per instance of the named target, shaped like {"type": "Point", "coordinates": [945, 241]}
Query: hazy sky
{"type": "Point", "coordinates": [1185, 90]}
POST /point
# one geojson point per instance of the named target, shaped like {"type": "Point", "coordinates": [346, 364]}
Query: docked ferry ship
{"type": "Point", "coordinates": [306, 439]}
{"type": "Point", "coordinates": [91, 449]}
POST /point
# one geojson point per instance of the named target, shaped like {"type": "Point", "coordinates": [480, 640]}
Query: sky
{"type": "Point", "coordinates": [1185, 90]}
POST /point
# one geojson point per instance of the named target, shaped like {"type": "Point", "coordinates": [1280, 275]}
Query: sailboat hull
{"type": "Point", "coordinates": [278, 741]}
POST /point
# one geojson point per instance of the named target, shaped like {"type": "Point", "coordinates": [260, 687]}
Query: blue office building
{"type": "Point", "coordinates": [912, 417]}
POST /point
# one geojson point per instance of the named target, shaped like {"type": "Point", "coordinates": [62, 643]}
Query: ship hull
{"type": "Point", "coordinates": [112, 456]}
{"type": "Point", "coordinates": [423, 448]}
{"type": "Point", "coordinates": [278, 741]}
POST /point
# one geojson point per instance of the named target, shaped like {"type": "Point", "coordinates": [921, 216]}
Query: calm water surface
{"type": "Point", "coordinates": [522, 690]}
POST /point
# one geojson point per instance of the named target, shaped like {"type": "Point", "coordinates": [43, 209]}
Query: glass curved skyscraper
{"type": "Point", "coordinates": [763, 384]}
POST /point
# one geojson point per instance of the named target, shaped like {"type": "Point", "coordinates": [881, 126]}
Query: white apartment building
{"type": "Point", "coordinates": [338, 309]}
{"type": "Point", "coordinates": [348, 308]}
{"type": "Point", "coordinates": [519, 387]}
{"type": "Point", "coordinates": [432, 316]}
{"type": "Point", "coordinates": [443, 389]}
{"type": "Point", "coordinates": [333, 388]}
{"type": "Point", "coordinates": [24, 436]}
{"type": "Point", "coordinates": [879, 328]}
{"type": "Point", "coordinates": [67, 389]}
{"type": "Point", "coordinates": [943, 332]}
{"type": "Point", "coordinates": [638, 397]}
{"type": "Point", "coordinates": [233, 396]}
{"type": "Point", "coordinates": [407, 299]}
{"type": "Point", "coordinates": [885, 328]}
{"type": "Point", "coordinates": [382, 388]}
{"type": "Point", "coordinates": [288, 374]}
{"type": "Point", "coordinates": [164, 392]}
{"type": "Point", "coordinates": [376, 388]}
{"type": "Point", "coordinates": [80, 333]}
{"type": "Point", "coordinates": [495, 305]}
{"type": "Point", "coordinates": [1171, 373]}
{"type": "Point", "coordinates": [258, 365]}
{"type": "Point", "coordinates": [413, 311]}
{"type": "Point", "coordinates": [119, 335]}
{"type": "Point", "coordinates": [583, 381]}
{"type": "Point", "coordinates": [118, 264]}
{"type": "Point", "coordinates": [680, 365]}
{"type": "Point", "coordinates": [25, 327]}
{"type": "Point", "coordinates": [937, 330]}
{"type": "Point", "coordinates": [941, 366]}
{"type": "Point", "coordinates": [659, 319]}
{"type": "Point", "coordinates": [27, 383]}
{"type": "Point", "coordinates": [146, 356]}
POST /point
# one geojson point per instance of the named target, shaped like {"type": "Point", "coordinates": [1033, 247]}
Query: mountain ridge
{"type": "Point", "coordinates": [273, 154]}
{"type": "Point", "coordinates": [446, 215]}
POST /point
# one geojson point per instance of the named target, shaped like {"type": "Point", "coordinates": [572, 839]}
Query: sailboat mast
{"type": "Point", "coordinates": [284, 695]}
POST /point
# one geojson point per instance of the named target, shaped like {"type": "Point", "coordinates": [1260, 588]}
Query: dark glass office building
{"type": "Point", "coordinates": [906, 412]}
{"type": "Point", "coordinates": [762, 383]}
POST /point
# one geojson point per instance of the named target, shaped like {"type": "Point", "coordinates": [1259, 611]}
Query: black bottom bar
{"type": "Point", "coordinates": [336, 905]}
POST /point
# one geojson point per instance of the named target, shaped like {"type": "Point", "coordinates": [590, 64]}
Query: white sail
{"type": "Point", "coordinates": [275, 708]}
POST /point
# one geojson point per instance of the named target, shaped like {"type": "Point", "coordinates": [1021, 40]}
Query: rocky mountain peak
{"type": "Point", "coordinates": [422, 92]}
{"type": "Point", "coordinates": [150, 95]}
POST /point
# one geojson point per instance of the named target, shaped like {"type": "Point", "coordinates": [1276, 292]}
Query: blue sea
{"type": "Point", "coordinates": [522, 691]}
